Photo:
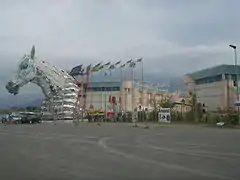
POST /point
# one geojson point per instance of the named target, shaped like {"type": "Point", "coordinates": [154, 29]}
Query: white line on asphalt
{"type": "Point", "coordinates": [43, 136]}
{"type": "Point", "coordinates": [185, 152]}
{"type": "Point", "coordinates": [103, 143]}
{"type": "Point", "coordinates": [215, 153]}
{"type": "Point", "coordinates": [195, 144]}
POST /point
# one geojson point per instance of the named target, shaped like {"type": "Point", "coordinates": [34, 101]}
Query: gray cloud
{"type": "Point", "coordinates": [173, 36]}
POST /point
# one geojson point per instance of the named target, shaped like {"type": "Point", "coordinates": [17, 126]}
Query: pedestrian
{"type": "Point", "coordinates": [146, 118]}
{"type": "Point", "coordinates": [135, 118]}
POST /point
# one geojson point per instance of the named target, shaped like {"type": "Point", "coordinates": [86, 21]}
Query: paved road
{"type": "Point", "coordinates": [118, 151]}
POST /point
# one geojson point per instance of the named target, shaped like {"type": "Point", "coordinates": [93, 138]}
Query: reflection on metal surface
{"type": "Point", "coordinates": [57, 85]}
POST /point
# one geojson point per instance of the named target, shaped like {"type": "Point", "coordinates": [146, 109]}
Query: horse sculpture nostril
{"type": "Point", "coordinates": [10, 83]}
{"type": "Point", "coordinates": [12, 87]}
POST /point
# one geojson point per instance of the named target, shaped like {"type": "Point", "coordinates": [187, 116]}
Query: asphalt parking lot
{"type": "Point", "coordinates": [118, 151]}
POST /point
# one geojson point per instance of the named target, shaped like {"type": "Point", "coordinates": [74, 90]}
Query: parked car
{"type": "Point", "coordinates": [12, 118]}
{"type": "Point", "coordinates": [30, 118]}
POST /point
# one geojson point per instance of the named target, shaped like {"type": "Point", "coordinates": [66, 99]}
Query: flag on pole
{"type": "Point", "coordinates": [76, 70]}
{"type": "Point", "coordinates": [97, 68]}
{"type": "Point", "coordinates": [118, 62]}
{"type": "Point", "coordinates": [101, 67]}
{"type": "Point", "coordinates": [123, 65]}
{"type": "Point", "coordinates": [113, 100]}
{"type": "Point", "coordinates": [98, 64]}
{"type": "Point", "coordinates": [132, 65]}
{"type": "Point", "coordinates": [107, 64]}
{"type": "Point", "coordinates": [91, 106]}
{"type": "Point", "coordinates": [129, 61]}
{"type": "Point", "coordinates": [139, 60]}
{"type": "Point", "coordinates": [112, 66]}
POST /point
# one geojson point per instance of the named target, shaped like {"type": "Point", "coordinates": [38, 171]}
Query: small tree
{"type": "Point", "coordinates": [166, 103]}
{"type": "Point", "coordinates": [193, 100]}
{"type": "Point", "coordinates": [196, 107]}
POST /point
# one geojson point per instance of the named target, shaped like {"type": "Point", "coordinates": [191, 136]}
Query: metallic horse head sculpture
{"type": "Point", "coordinates": [58, 86]}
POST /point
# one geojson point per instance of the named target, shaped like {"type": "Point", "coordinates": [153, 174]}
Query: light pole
{"type": "Point", "coordinates": [111, 67]}
{"type": "Point", "coordinates": [132, 66]}
{"type": "Point", "coordinates": [105, 90]}
{"type": "Point", "coordinates": [236, 71]}
{"type": "Point", "coordinates": [140, 60]}
{"type": "Point", "coordinates": [121, 88]}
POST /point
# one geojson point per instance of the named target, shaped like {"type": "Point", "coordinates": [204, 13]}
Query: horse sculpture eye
{"type": "Point", "coordinates": [24, 66]}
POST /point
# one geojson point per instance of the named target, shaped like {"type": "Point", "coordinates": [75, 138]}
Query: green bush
{"type": "Point", "coordinates": [232, 119]}
{"type": "Point", "coordinates": [189, 116]}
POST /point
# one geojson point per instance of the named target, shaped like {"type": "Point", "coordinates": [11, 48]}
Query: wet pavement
{"type": "Point", "coordinates": [118, 151]}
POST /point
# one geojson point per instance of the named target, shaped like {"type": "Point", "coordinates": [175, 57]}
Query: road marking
{"type": "Point", "coordinates": [195, 144]}
{"type": "Point", "coordinates": [43, 136]}
{"type": "Point", "coordinates": [103, 143]}
{"type": "Point", "coordinates": [215, 153]}
{"type": "Point", "coordinates": [185, 152]}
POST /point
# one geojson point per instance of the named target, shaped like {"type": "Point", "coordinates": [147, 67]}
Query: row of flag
{"type": "Point", "coordinates": [113, 100]}
{"type": "Point", "coordinates": [78, 70]}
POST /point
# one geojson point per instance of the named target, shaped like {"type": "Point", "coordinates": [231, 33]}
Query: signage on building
{"type": "Point", "coordinates": [164, 115]}
{"type": "Point", "coordinates": [237, 103]}
{"type": "Point", "coordinates": [235, 89]}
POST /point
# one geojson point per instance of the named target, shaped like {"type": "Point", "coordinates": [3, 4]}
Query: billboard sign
{"type": "Point", "coordinates": [164, 115]}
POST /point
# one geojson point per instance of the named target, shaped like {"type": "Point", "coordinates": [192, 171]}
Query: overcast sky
{"type": "Point", "coordinates": [173, 36]}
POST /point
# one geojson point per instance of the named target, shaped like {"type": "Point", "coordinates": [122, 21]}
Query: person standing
{"type": "Point", "coordinates": [135, 118]}
{"type": "Point", "coordinates": [146, 116]}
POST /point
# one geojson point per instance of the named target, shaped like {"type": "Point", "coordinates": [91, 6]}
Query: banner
{"type": "Point", "coordinates": [164, 115]}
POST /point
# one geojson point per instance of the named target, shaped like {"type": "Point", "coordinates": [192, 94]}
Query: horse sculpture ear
{"type": "Point", "coordinates": [33, 52]}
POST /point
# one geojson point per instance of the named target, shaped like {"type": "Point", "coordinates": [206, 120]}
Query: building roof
{"type": "Point", "coordinates": [214, 71]}
{"type": "Point", "coordinates": [105, 84]}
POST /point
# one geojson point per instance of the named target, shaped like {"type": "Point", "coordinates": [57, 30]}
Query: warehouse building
{"type": "Point", "coordinates": [123, 96]}
{"type": "Point", "coordinates": [215, 87]}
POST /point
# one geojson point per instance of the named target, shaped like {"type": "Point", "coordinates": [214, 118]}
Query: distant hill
{"type": "Point", "coordinates": [21, 100]}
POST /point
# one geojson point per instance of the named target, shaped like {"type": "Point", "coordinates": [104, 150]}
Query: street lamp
{"type": "Point", "coordinates": [121, 88]}
{"type": "Point", "coordinates": [236, 71]}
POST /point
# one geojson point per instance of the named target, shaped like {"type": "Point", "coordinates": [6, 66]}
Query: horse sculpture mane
{"type": "Point", "coordinates": [58, 87]}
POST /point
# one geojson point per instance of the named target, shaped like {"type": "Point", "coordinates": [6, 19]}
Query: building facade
{"type": "Point", "coordinates": [123, 96]}
{"type": "Point", "coordinates": [215, 87]}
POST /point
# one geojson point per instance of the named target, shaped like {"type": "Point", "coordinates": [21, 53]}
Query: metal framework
{"type": "Point", "coordinates": [82, 84]}
{"type": "Point", "coordinates": [57, 85]}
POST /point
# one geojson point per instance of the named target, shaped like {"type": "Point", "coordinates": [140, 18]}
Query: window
{"type": "Point", "coordinates": [233, 77]}
{"type": "Point", "coordinates": [104, 89]}
{"type": "Point", "coordinates": [209, 80]}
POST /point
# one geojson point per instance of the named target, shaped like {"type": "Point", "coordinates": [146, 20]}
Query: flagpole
{"type": "Point", "coordinates": [132, 88]}
{"type": "Point", "coordinates": [121, 89]}
{"type": "Point", "coordinates": [142, 85]}
{"type": "Point", "coordinates": [105, 93]}
{"type": "Point", "coordinates": [91, 90]}
{"type": "Point", "coordinates": [126, 91]}
{"type": "Point", "coordinates": [142, 110]}
{"type": "Point", "coordinates": [110, 87]}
